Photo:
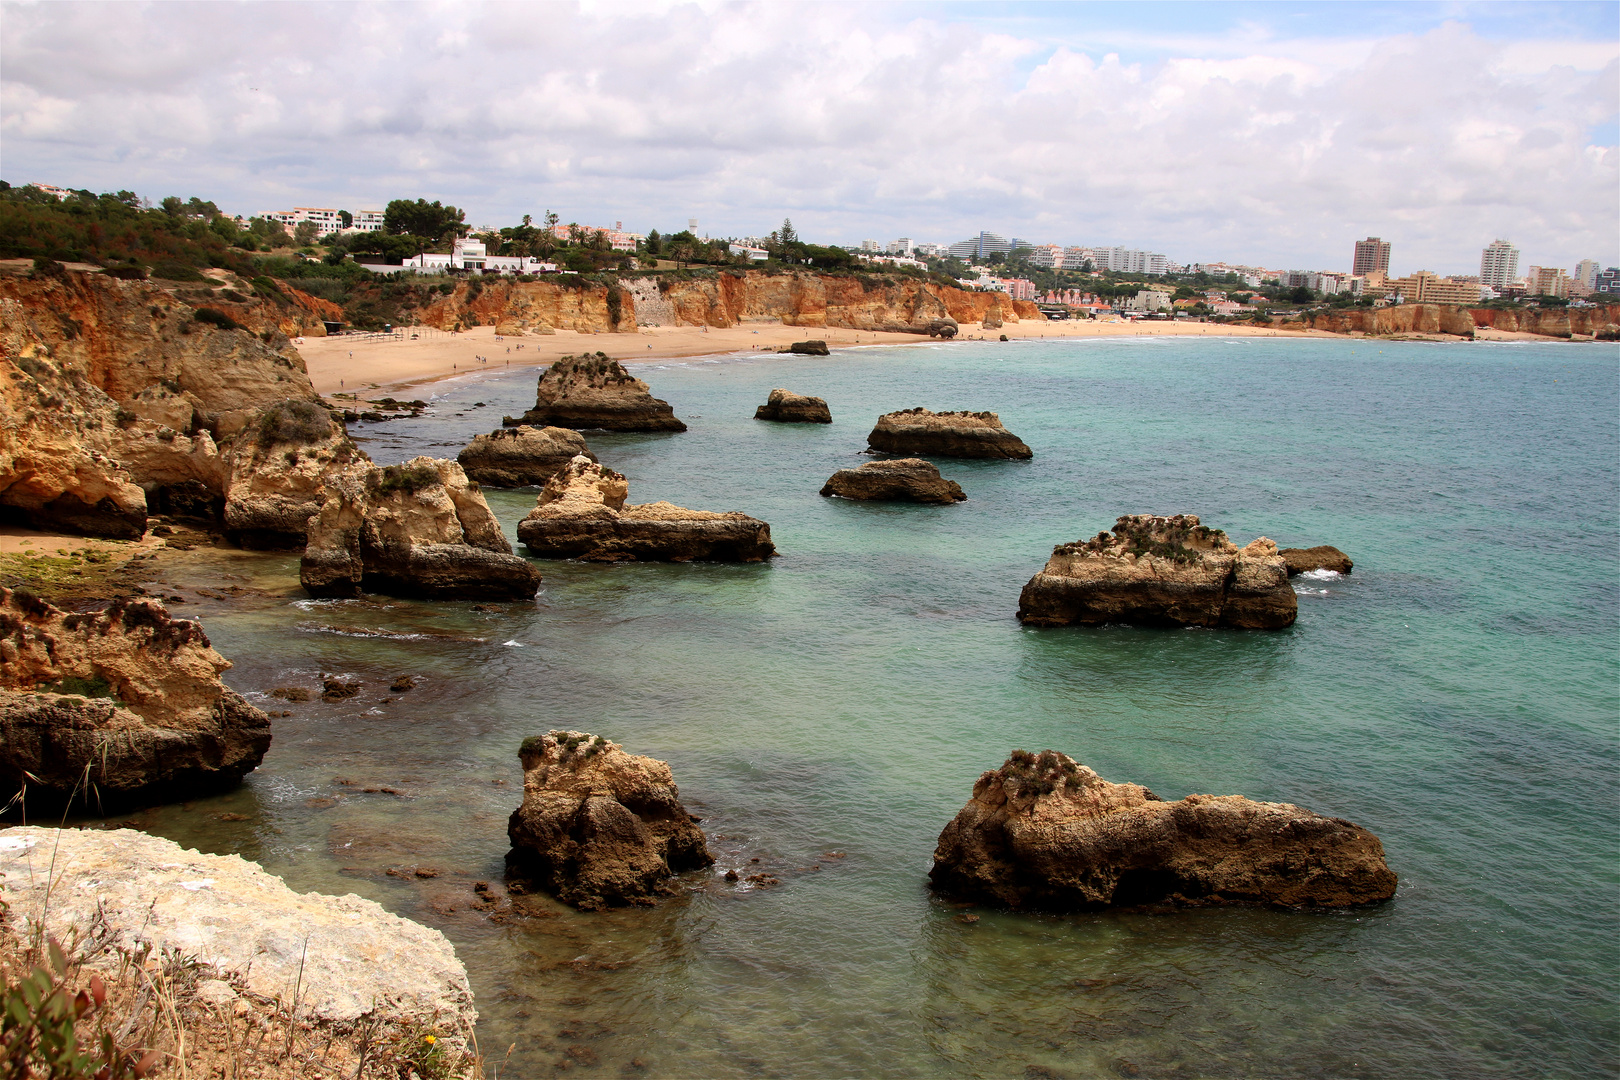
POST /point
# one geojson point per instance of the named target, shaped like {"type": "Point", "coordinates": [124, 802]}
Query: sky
{"type": "Point", "coordinates": [1271, 134]}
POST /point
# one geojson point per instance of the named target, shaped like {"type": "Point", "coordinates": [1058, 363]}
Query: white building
{"type": "Point", "coordinates": [1128, 261]}
{"type": "Point", "coordinates": [467, 255]}
{"type": "Point", "coordinates": [1148, 300]}
{"type": "Point", "coordinates": [366, 221]}
{"type": "Point", "coordinates": [327, 219]}
{"type": "Point", "coordinates": [1049, 256]}
{"type": "Point", "coordinates": [757, 254]}
{"type": "Point", "coordinates": [901, 246]}
{"type": "Point", "coordinates": [1586, 272]}
{"type": "Point", "coordinates": [1498, 264]}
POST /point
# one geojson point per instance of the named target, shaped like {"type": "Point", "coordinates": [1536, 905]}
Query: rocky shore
{"type": "Point", "coordinates": [593, 392]}
{"type": "Point", "coordinates": [787, 407]}
{"type": "Point", "coordinates": [919, 432]}
{"type": "Point", "coordinates": [521, 456]}
{"type": "Point", "coordinates": [894, 480]}
{"type": "Point", "coordinates": [1045, 832]}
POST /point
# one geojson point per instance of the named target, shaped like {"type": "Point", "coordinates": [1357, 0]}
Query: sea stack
{"type": "Point", "coordinates": [948, 434]}
{"type": "Point", "coordinates": [787, 407]}
{"type": "Point", "coordinates": [1323, 557]}
{"type": "Point", "coordinates": [599, 827]}
{"type": "Point", "coordinates": [582, 514]}
{"type": "Point", "coordinates": [895, 480]}
{"type": "Point", "coordinates": [520, 456]}
{"type": "Point", "coordinates": [1044, 832]}
{"type": "Point", "coordinates": [127, 693]}
{"type": "Point", "coordinates": [594, 392]}
{"type": "Point", "coordinates": [1162, 571]}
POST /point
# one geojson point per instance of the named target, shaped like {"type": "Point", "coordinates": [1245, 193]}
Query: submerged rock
{"type": "Point", "coordinates": [1162, 571]}
{"type": "Point", "coordinates": [1048, 833]}
{"type": "Point", "coordinates": [127, 699]}
{"type": "Point", "coordinates": [897, 480]}
{"type": "Point", "coordinates": [599, 827]}
{"type": "Point", "coordinates": [947, 434]}
{"type": "Point", "coordinates": [791, 408]}
{"type": "Point", "coordinates": [1304, 560]}
{"type": "Point", "coordinates": [417, 530]}
{"type": "Point", "coordinates": [520, 456]}
{"type": "Point", "coordinates": [592, 391]}
{"type": "Point", "coordinates": [582, 514]}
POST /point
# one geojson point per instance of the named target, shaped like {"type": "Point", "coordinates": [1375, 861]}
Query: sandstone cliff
{"type": "Point", "coordinates": [599, 827]}
{"type": "Point", "coordinates": [126, 699]}
{"type": "Point", "coordinates": [591, 391]}
{"type": "Point", "coordinates": [520, 456]}
{"type": "Point", "coordinates": [898, 480]}
{"type": "Point", "coordinates": [946, 434]}
{"type": "Point", "coordinates": [1462, 322]}
{"type": "Point", "coordinates": [1048, 833]}
{"type": "Point", "coordinates": [1162, 571]}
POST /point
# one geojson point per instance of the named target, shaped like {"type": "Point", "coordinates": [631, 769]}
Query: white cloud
{"type": "Point", "coordinates": [856, 121]}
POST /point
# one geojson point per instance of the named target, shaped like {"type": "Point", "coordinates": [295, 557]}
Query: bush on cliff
{"type": "Point", "coordinates": [294, 421]}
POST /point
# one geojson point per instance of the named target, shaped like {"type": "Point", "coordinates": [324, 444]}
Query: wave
{"type": "Point", "coordinates": [390, 635]}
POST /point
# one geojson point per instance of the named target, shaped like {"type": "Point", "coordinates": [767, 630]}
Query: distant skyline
{"type": "Point", "coordinates": [1268, 134]}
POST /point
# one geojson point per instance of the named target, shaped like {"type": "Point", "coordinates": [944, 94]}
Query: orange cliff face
{"type": "Point", "coordinates": [1444, 319]}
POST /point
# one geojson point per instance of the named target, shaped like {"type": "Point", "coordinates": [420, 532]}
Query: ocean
{"type": "Point", "coordinates": [828, 712]}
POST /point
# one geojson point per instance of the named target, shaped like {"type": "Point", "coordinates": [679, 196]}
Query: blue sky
{"type": "Point", "coordinates": [1270, 134]}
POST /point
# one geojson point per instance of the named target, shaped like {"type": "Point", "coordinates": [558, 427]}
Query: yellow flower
{"type": "Point", "coordinates": [429, 1039]}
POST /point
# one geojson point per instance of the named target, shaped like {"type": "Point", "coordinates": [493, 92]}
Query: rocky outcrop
{"type": "Point", "coordinates": [417, 530]}
{"type": "Point", "coordinates": [582, 514]}
{"type": "Point", "coordinates": [1305, 560]}
{"type": "Point", "coordinates": [809, 348]}
{"type": "Point", "coordinates": [897, 480]}
{"type": "Point", "coordinates": [127, 699]}
{"type": "Point", "coordinates": [520, 456]}
{"type": "Point", "coordinates": [947, 434]}
{"type": "Point", "coordinates": [1551, 321]}
{"type": "Point", "coordinates": [539, 307]}
{"type": "Point", "coordinates": [1462, 322]}
{"type": "Point", "coordinates": [1162, 571]}
{"type": "Point", "coordinates": [599, 827]}
{"type": "Point", "coordinates": [1045, 832]}
{"type": "Point", "coordinates": [279, 470]}
{"type": "Point", "coordinates": [348, 957]}
{"type": "Point", "coordinates": [592, 391]}
{"type": "Point", "coordinates": [790, 408]}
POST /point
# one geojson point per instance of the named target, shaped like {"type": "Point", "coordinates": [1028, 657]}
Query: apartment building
{"type": "Point", "coordinates": [328, 220]}
{"type": "Point", "coordinates": [1427, 287]}
{"type": "Point", "coordinates": [1372, 256]}
{"type": "Point", "coordinates": [1547, 281]}
{"type": "Point", "coordinates": [1498, 264]}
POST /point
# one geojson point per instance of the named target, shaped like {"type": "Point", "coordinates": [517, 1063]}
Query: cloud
{"type": "Point", "coordinates": [857, 121]}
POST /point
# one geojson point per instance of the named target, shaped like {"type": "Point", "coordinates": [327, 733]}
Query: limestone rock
{"type": "Point", "coordinates": [1322, 557]}
{"type": "Point", "coordinates": [280, 465]}
{"type": "Point", "coordinates": [418, 530]}
{"type": "Point", "coordinates": [582, 514]}
{"type": "Point", "coordinates": [947, 434]}
{"type": "Point", "coordinates": [809, 348]}
{"type": "Point", "coordinates": [791, 408]}
{"type": "Point", "coordinates": [941, 328]}
{"type": "Point", "coordinates": [599, 827]}
{"type": "Point", "coordinates": [520, 456]}
{"type": "Point", "coordinates": [591, 391]}
{"type": "Point", "coordinates": [1162, 571]}
{"type": "Point", "coordinates": [1045, 832]}
{"type": "Point", "coordinates": [992, 320]}
{"type": "Point", "coordinates": [348, 957]}
{"type": "Point", "coordinates": [129, 693]}
{"type": "Point", "coordinates": [896, 480]}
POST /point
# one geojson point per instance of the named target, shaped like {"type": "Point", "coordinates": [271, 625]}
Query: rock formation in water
{"type": "Point", "coordinates": [1162, 571]}
{"type": "Point", "coordinates": [599, 827]}
{"type": "Point", "coordinates": [809, 348]}
{"type": "Point", "coordinates": [1322, 557]}
{"type": "Point", "coordinates": [418, 529]}
{"type": "Point", "coordinates": [1045, 832]}
{"type": "Point", "coordinates": [790, 408]}
{"type": "Point", "coordinates": [592, 391]}
{"type": "Point", "coordinates": [521, 456]}
{"type": "Point", "coordinates": [126, 699]}
{"type": "Point", "coordinates": [947, 434]}
{"type": "Point", "coordinates": [896, 480]}
{"type": "Point", "coordinates": [582, 514]}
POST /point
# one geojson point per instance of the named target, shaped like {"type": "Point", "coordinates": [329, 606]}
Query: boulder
{"type": "Point", "coordinates": [1322, 557]}
{"type": "Point", "coordinates": [896, 480]}
{"type": "Point", "coordinates": [591, 391]}
{"type": "Point", "coordinates": [599, 827]}
{"type": "Point", "coordinates": [1162, 571]}
{"type": "Point", "coordinates": [791, 408]}
{"type": "Point", "coordinates": [809, 348]}
{"type": "Point", "coordinates": [992, 320]}
{"type": "Point", "coordinates": [418, 529]}
{"type": "Point", "coordinates": [1045, 832]}
{"type": "Point", "coordinates": [947, 434]}
{"type": "Point", "coordinates": [940, 328]}
{"type": "Point", "coordinates": [126, 699]}
{"type": "Point", "coordinates": [520, 456]}
{"type": "Point", "coordinates": [581, 513]}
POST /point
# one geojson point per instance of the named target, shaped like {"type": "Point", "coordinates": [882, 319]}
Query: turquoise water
{"type": "Point", "coordinates": [1457, 694]}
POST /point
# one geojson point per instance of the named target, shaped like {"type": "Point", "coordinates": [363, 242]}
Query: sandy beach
{"type": "Point", "coordinates": [341, 365]}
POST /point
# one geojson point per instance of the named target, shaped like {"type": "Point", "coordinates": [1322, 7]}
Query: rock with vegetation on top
{"type": "Point", "coordinates": [791, 408]}
{"type": "Point", "coordinates": [947, 434]}
{"type": "Point", "coordinates": [1322, 557]}
{"type": "Point", "coordinates": [418, 529]}
{"type": "Point", "coordinates": [599, 827]}
{"type": "Point", "coordinates": [520, 456]}
{"type": "Point", "coordinates": [582, 514]}
{"type": "Point", "coordinates": [1162, 571]}
{"type": "Point", "coordinates": [119, 704]}
{"type": "Point", "coordinates": [809, 348]}
{"type": "Point", "coordinates": [591, 391]}
{"type": "Point", "coordinates": [1044, 832]}
{"type": "Point", "coordinates": [895, 480]}
{"type": "Point", "coordinates": [279, 471]}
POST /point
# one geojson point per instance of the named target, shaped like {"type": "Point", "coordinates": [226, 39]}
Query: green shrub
{"type": "Point", "coordinates": [295, 420]}
{"type": "Point", "coordinates": [214, 317]}
{"type": "Point", "coordinates": [407, 478]}
{"type": "Point", "coordinates": [169, 270]}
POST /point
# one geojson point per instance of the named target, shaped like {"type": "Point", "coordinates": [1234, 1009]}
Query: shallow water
{"type": "Point", "coordinates": [1457, 695]}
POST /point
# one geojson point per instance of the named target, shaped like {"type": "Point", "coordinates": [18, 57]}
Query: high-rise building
{"type": "Point", "coordinates": [1372, 256]}
{"type": "Point", "coordinates": [1607, 281]}
{"type": "Point", "coordinates": [1499, 264]}
{"type": "Point", "coordinates": [1586, 272]}
{"type": "Point", "coordinates": [1547, 281]}
{"type": "Point", "coordinates": [974, 250]}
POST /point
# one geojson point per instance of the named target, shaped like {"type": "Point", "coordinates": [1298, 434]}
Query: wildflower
{"type": "Point", "coordinates": [429, 1039]}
